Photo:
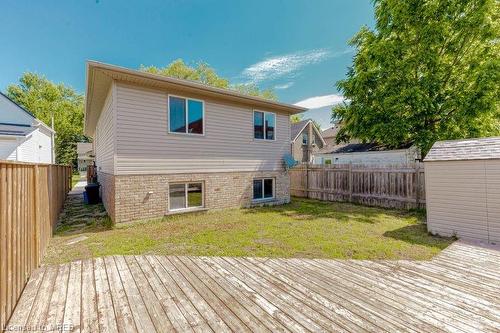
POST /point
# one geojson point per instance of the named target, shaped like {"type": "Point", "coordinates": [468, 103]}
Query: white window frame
{"type": "Point", "coordinates": [186, 120]}
{"type": "Point", "coordinates": [262, 180]}
{"type": "Point", "coordinates": [186, 185]}
{"type": "Point", "coordinates": [265, 127]}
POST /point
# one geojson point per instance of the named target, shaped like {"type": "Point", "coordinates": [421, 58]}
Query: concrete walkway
{"type": "Point", "coordinates": [458, 291]}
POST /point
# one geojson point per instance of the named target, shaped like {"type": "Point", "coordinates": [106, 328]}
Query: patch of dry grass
{"type": "Point", "coordinates": [303, 228]}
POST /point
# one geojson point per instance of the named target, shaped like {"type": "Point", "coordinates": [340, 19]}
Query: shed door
{"type": "Point", "coordinates": [493, 197]}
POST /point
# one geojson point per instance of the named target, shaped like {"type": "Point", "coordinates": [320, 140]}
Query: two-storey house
{"type": "Point", "coordinates": [164, 145]}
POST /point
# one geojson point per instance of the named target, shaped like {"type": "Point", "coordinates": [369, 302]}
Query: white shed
{"type": "Point", "coordinates": [462, 184]}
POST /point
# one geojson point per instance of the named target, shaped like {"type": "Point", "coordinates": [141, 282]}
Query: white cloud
{"type": "Point", "coordinates": [275, 67]}
{"type": "Point", "coordinates": [284, 85]}
{"type": "Point", "coordinates": [317, 102]}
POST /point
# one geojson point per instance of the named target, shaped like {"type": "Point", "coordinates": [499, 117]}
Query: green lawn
{"type": "Point", "coordinates": [304, 228]}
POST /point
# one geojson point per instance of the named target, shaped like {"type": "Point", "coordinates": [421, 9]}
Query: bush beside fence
{"type": "Point", "coordinates": [31, 197]}
{"type": "Point", "coordinates": [390, 187]}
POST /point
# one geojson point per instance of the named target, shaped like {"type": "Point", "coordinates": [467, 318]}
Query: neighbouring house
{"type": "Point", "coordinates": [462, 186]}
{"type": "Point", "coordinates": [85, 156]}
{"type": "Point", "coordinates": [24, 138]}
{"type": "Point", "coordinates": [306, 140]}
{"type": "Point", "coordinates": [329, 135]}
{"type": "Point", "coordinates": [367, 154]}
{"type": "Point", "coordinates": [164, 145]}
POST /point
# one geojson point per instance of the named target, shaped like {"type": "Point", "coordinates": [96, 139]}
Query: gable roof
{"type": "Point", "coordinates": [465, 149]}
{"type": "Point", "coordinates": [100, 76]}
{"type": "Point", "coordinates": [18, 106]}
{"type": "Point", "coordinates": [297, 128]}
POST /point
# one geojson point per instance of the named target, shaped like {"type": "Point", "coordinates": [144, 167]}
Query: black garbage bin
{"type": "Point", "coordinates": [92, 193]}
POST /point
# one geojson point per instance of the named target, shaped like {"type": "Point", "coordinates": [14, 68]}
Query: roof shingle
{"type": "Point", "coordinates": [465, 149]}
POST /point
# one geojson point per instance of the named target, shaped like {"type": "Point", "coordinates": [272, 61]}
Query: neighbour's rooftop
{"type": "Point", "coordinates": [465, 149]}
{"type": "Point", "coordinates": [331, 132]}
{"type": "Point", "coordinates": [16, 130]}
{"type": "Point", "coordinates": [296, 128]}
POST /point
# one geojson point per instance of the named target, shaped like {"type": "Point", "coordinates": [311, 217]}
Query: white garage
{"type": "Point", "coordinates": [462, 182]}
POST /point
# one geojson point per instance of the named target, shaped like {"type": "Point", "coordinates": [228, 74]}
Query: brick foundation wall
{"type": "Point", "coordinates": [140, 197]}
{"type": "Point", "coordinates": [107, 182]}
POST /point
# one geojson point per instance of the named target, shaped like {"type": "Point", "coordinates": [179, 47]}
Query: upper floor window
{"type": "Point", "coordinates": [185, 115]}
{"type": "Point", "coordinates": [305, 138]}
{"type": "Point", "coordinates": [264, 124]}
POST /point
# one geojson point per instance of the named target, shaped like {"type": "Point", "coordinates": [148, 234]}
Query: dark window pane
{"type": "Point", "coordinates": [195, 117]}
{"type": "Point", "coordinates": [258, 123]}
{"type": "Point", "coordinates": [257, 189]}
{"type": "Point", "coordinates": [177, 196]}
{"type": "Point", "coordinates": [268, 188]}
{"type": "Point", "coordinates": [304, 138]}
{"type": "Point", "coordinates": [270, 124]}
{"type": "Point", "coordinates": [177, 114]}
{"type": "Point", "coordinates": [195, 195]}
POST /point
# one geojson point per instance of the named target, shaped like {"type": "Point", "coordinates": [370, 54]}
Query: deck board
{"type": "Point", "coordinates": [457, 291]}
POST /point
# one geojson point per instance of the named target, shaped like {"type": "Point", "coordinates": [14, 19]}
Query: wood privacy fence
{"type": "Point", "coordinates": [390, 187]}
{"type": "Point", "coordinates": [31, 197]}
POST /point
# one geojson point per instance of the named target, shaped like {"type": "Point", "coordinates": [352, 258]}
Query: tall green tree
{"type": "Point", "coordinates": [45, 100]}
{"type": "Point", "coordinates": [205, 74]}
{"type": "Point", "coordinates": [430, 70]}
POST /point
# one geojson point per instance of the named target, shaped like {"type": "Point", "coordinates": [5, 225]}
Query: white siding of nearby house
{"type": "Point", "coordinates": [44, 145]}
{"type": "Point", "coordinates": [8, 148]}
{"type": "Point", "coordinates": [104, 142]}
{"type": "Point", "coordinates": [463, 198]}
{"type": "Point", "coordinates": [34, 148]}
{"type": "Point", "coordinates": [144, 145]}
{"type": "Point", "coordinates": [378, 158]}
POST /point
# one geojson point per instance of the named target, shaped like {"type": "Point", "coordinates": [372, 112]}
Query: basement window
{"type": "Point", "coordinates": [185, 196]}
{"type": "Point", "coordinates": [263, 189]}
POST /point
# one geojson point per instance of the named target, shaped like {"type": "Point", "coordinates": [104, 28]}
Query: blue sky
{"type": "Point", "coordinates": [298, 48]}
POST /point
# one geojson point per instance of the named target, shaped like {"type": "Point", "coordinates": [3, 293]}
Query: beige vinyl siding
{"type": "Point", "coordinates": [463, 198]}
{"type": "Point", "coordinates": [144, 145]}
{"type": "Point", "coordinates": [493, 189]}
{"type": "Point", "coordinates": [105, 137]}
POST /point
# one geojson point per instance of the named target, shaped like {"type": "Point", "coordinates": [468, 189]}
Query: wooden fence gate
{"type": "Point", "coordinates": [31, 197]}
{"type": "Point", "coordinates": [390, 187]}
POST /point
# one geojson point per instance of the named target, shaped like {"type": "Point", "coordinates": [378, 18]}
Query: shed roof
{"type": "Point", "coordinates": [465, 149]}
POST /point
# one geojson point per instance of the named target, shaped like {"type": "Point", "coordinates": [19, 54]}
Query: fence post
{"type": "Point", "coordinates": [307, 180]}
{"type": "Point", "coordinates": [350, 182]}
{"type": "Point", "coordinates": [417, 180]}
{"type": "Point", "coordinates": [323, 185]}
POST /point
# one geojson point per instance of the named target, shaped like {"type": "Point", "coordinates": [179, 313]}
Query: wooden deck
{"type": "Point", "coordinates": [457, 291]}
